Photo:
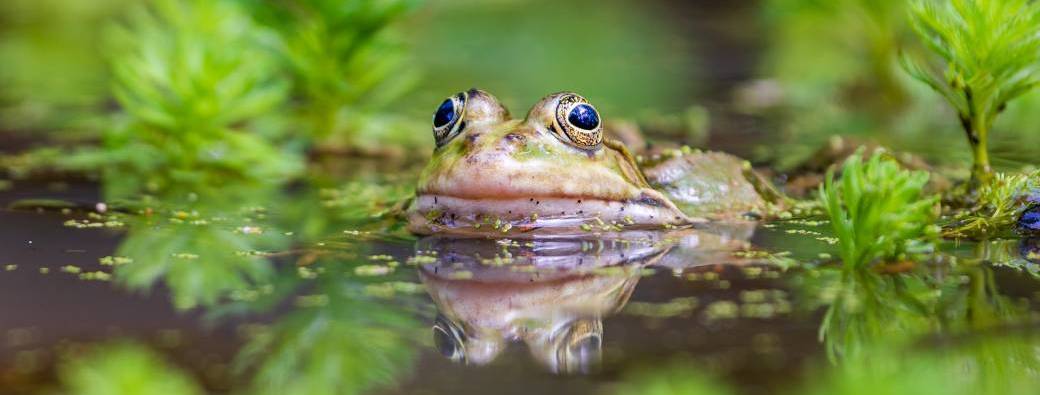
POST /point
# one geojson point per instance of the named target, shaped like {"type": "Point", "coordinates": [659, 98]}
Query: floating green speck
{"type": "Point", "coordinates": [372, 270]}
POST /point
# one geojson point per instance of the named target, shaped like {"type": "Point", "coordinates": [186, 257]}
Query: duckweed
{"type": "Point", "coordinates": [372, 270]}
{"type": "Point", "coordinates": [681, 306]}
{"type": "Point", "coordinates": [499, 260]}
{"type": "Point", "coordinates": [114, 260]}
{"type": "Point", "coordinates": [422, 259]}
{"type": "Point", "coordinates": [391, 289]}
{"type": "Point", "coordinates": [722, 310]}
{"type": "Point", "coordinates": [95, 276]}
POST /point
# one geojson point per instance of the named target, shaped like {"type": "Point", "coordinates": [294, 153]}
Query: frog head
{"type": "Point", "coordinates": [551, 172]}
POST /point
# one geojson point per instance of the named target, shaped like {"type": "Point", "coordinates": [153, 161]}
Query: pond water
{"type": "Point", "coordinates": [307, 292]}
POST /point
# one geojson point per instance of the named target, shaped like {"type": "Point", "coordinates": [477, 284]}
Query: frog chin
{"type": "Point", "coordinates": [439, 213]}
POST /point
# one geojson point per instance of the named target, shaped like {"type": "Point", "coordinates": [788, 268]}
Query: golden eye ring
{"type": "Point", "coordinates": [578, 122]}
{"type": "Point", "coordinates": [448, 119]}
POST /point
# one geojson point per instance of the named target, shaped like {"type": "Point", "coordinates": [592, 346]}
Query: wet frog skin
{"type": "Point", "coordinates": [552, 173]}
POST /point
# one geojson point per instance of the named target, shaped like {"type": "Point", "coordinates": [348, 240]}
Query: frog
{"type": "Point", "coordinates": [555, 172]}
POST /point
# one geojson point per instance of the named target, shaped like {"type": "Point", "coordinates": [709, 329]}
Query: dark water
{"type": "Point", "coordinates": [286, 297]}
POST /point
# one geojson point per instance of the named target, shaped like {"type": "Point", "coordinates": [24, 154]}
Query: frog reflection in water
{"type": "Point", "coordinates": [550, 294]}
{"type": "Point", "coordinates": [554, 173]}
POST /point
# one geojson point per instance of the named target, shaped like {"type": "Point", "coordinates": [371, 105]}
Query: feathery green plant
{"type": "Point", "coordinates": [196, 84]}
{"type": "Point", "coordinates": [991, 53]}
{"type": "Point", "coordinates": [878, 210]}
{"type": "Point", "coordinates": [344, 61]}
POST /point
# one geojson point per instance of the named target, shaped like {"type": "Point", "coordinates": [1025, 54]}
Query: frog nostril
{"type": "Point", "coordinates": [515, 138]}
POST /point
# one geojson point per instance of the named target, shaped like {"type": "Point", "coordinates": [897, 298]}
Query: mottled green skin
{"type": "Point", "coordinates": [707, 184]}
{"type": "Point", "coordinates": [506, 176]}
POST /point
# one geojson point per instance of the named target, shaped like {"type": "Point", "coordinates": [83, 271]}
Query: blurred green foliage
{"type": "Point", "coordinates": [991, 53]}
{"type": "Point", "coordinates": [625, 57]}
{"type": "Point", "coordinates": [346, 67]}
{"type": "Point", "coordinates": [201, 256]}
{"type": "Point", "coordinates": [196, 85]}
{"type": "Point", "coordinates": [340, 341]}
{"type": "Point", "coordinates": [835, 64]}
{"type": "Point", "coordinates": [52, 79]}
{"type": "Point", "coordinates": [877, 210]}
{"type": "Point", "coordinates": [206, 249]}
{"type": "Point", "coordinates": [124, 369]}
{"type": "Point", "coordinates": [237, 91]}
{"type": "Point", "coordinates": [867, 310]}
{"type": "Point", "coordinates": [835, 69]}
{"type": "Point", "coordinates": [963, 369]}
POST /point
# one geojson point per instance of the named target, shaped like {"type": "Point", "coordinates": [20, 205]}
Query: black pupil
{"type": "Point", "coordinates": [584, 116]}
{"type": "Point", "coordinates": [445, 114]}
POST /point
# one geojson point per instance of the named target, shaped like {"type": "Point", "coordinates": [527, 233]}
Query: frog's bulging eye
{"type": "Point", "coordinates": [578, 122]}
{"type": "Point", "coordinates": [447, 120]}
{"type": "Point", "coordinates": [578, 346]}
{"type": "Point", "coordinates": [449, 339]}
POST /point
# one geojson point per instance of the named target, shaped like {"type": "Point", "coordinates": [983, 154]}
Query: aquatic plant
{"type": "Point", "coordinates": [990, 50]}
{"type": "Point", "coordinates": [997, 206]}
{"type": "Point", "coordinates": [878, 210]}
{"type": "Point", "coordinates": [346, 65]}
{"type": "Point", "coordinates": [196, 85]}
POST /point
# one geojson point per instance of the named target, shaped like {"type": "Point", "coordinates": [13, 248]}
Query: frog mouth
{"type": "Point", "coordinates": [442, 213]}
